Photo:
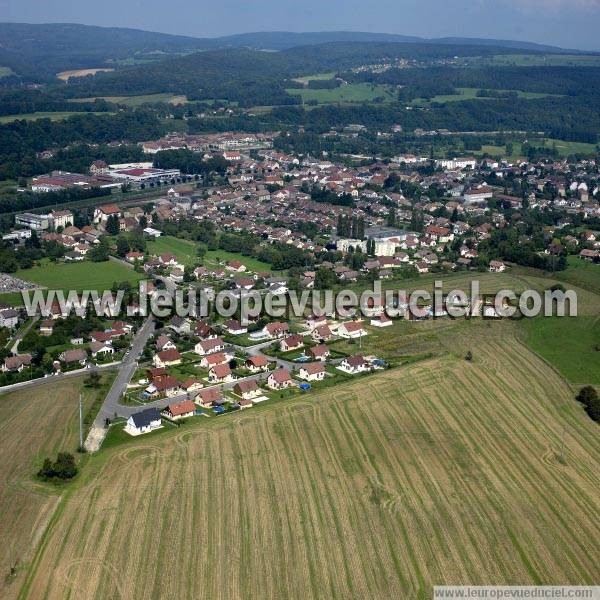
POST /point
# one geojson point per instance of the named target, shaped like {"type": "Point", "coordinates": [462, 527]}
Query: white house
{"type": "Point", "coordinates": [353, 365]}
{"type": "Point", "coordinates": [143, 422]}
{"type": "Point", "coordinates": [313, 372]}
{"type": "Point", "coordinates": [351, 330]}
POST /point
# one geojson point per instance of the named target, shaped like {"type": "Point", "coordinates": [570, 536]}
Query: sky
{"type": "Point", "coordinates": [565, 23]}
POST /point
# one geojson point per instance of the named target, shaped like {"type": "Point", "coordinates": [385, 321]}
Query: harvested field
{"type": "Point", "coordinates": [440, 472]}
{"type": "Point", "coordinates": [34, 424]}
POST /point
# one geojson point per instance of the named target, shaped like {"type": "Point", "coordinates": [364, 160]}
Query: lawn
{"type": "Point", "coordinates": [441, 472]}
{"type": "Point", "coordinates": [79, 276]}
{"type": "Point", "coordinates": [352, 93]}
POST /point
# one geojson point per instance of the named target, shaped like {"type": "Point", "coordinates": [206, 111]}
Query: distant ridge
{"type": "Point", "coordinates": [38, 52]}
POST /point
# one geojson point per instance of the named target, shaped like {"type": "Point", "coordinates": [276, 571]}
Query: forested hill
{"type": "Point", "coordinates": [253, 77]}
{"type": "Point", "coordinates": [40, 51]}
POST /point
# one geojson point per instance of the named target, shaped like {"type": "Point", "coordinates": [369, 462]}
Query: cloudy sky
{"type": "Point", "coordinates": [566, 23]}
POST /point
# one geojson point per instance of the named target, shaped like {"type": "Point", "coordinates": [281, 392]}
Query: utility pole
{"type": "Point", "coordinates": [80, 423]}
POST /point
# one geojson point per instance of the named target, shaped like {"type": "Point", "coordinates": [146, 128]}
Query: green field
{"type": "Point", "coordinates": [79, 276]}
{"type": "Point", "coordinates": [471, 94]}
{"type": "Point", "coordinates": [540, 60]}
{"type": "Point", "coordinates": [318, 77]}
{"type": "Point", "coordinates": [570, 344]}
{"type": "Point", "coordinates": [53, 116]}
{"type": "Point", "coordinates": [183, 250]}
{"type": "Point", "coordinates": [352, 93]}
{"type": "Point", "coordinates": [214, 257]}
{"type": "Point", "coordinates": [138, 100]}
{"type": "Point", "coordinates": [5, 72]}
{"type": "Point", "coordinates": [581, 273]}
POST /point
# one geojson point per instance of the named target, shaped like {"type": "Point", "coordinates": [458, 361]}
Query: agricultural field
{"type": "Point", "coordinates": [135, 101]}
{"type": "Point", "coordinates": [471, 94]}
{"type": "Point", "coordinates": [53, 116]}
{"type": "Point", "coordinates": [66, 75]}
{"type": "Point", "coordinates": [318, 77]}
{"type": "Point", "coordinates": [79, 276]}
{"type": "Point", "coordinates": [581, 273]}
{"type": "Point", "coordinates": [33, 425]}
{"type": "Point", "coordinates": [540, 60]}
{"type": "Point", "coordinates": [352, 93]}
{"type": "Point", "coordinates": [443, 471]}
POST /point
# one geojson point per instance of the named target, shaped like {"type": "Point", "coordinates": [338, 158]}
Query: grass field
{"type": "Point", "coordinates": [53, 116]}
{"type": "Point", "coordinates": [138, 100]}
{"type": "Point", "coordinates": [541, 60]}
{"type": "Point", "coordinates": [581, 273]}
{"type": "Point", "coordinates": [355, 92]}
{"type": "Point", "coordinates": [471, 94]}
{"type": "Point", "coordinates": [214, 257]}
{"type": "Point", "coordinates": [33, 425]}
{"type": "Point", "coordinates": [184, 250]}
{"type": "Point", "coordinates": [569, 344]}
{"type": "Point", "coordinates": [79, 276]}
{"type": "Point", "coordinates": [439, 472]}
{"type": "Point", "coordinates": [318, 77]}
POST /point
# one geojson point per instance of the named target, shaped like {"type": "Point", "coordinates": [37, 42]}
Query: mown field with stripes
{"type": "Point", "coordinates": [35, 423]}
{"type": "Point", "coordinates": [440, 472]}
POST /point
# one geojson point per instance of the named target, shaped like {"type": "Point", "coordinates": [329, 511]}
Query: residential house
{"type": "Point", "coordinates": [256, 364]}
{"type": "Point", "coordinates": [313, 371]}
{"type": "Point", "coordinates": [322, 333]}
{"type": "Point", "coordinates": [78, 355]}
{"type": "Point", "coordinates": [179, 410]}
{"type": "Point", "coordinates": [101, 349]}
{"type": "Point", "coordinates": [234, 327]}
{"type": "Point", "coordinates": [209, 361]}
{"type": "Point", "coordinates": [247, 389]}
{"type": "Point", "coordinates": [209, 397]}
{"type": "Point", "coordinates": [280, 379]}
{"type": "Point", "coordinates": [319, 352]}
{"type": "Point", "coordinates": [351, 330]}
{"type": "Point", "coordinates": [353, 365]}
{"type": "Point", "coordinates": [143, 422]}
{"type": "Point", "coordinates": [15, 364]}
{"type": "Point", "coordinates": [209, 346]}
{"type": "Point", "coordinates": [292, 342]}
{"type": "Point", "coordinates": [220, 374]}
{"type": "Point", "coordinates": [167, 358]}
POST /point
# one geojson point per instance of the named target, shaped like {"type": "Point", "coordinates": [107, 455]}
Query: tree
{"type": "Point", "coordinates": [588, 396]}
{"type": "Point", "coordinates": [469, 356]}
{"type": "Point", "coordinates": [63, 467]}
{"type": "Point", "coordinates": [112, 225]}
{"type": "Point", "coordinates": [122, 246]}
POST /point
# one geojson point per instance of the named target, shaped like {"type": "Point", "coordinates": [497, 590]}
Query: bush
{"type": "Point", "coordinates": [63, 468]}
{"type": "Point", "coordinates": [588, 396]}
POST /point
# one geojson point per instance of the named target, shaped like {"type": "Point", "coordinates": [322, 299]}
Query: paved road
{"type": "Point", "coordinates": [126, 370]}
